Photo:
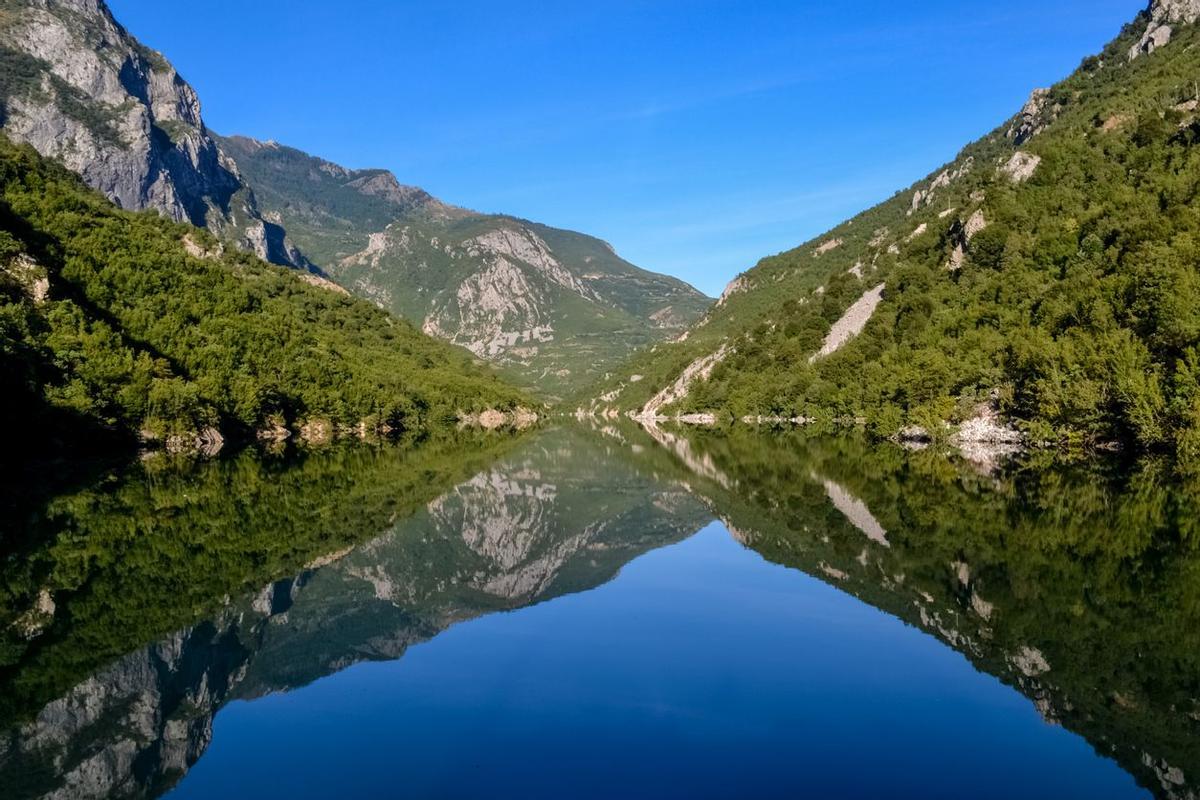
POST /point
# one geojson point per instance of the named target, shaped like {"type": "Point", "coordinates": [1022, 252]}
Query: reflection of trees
{"type": "Point", "coordinates": [1079, 585]}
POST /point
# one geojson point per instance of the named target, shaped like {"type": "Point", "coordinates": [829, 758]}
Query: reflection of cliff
{"type": "Point", "coordinates": [135, 727]}
{"type": "Point", "coordinates": [1080, 588]}
{"type": "Point", "coordinates": [559, 516]}
{"type": "Point", "coordinates": [100, 572]}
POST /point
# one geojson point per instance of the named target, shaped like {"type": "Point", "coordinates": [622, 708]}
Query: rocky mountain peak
{"type": "Point", "coordinates": [1163, 14]}
{"type": "Point", "coordinates": [83, 91]}
{"type": "Point", "coordinates": [1175, 11]}
{"type": "Point", "coordinates": [383, 184]}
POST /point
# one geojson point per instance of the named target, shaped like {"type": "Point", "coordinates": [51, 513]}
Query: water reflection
{"type": "Point", "coordinates": [1078, 585]}
{"type": "Point", "coordinates": [138, 607]}
{"type": "Point", "coordinates": [381, 556]}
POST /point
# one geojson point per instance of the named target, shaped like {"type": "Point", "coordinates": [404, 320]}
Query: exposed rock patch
{"type": "Point", "coordinates": [738, 284]}
{"type": "Point", "coordinates": [492, 419]}
{"type": "Point", "coordinates": [827, 247]}
{"type": "Point", "coordinates": [925, 197]}
{"type": "Point", "coordinates": [1030, 662]}
{"type": "Point", "coordinates": [1034, 117]}
{"type": "Point", "coordinates": [1021, 166]}
{"type": "Point", "coordinates": [700, 369]}
{"type": "Point", "coordinates": [851, 324]}
{"type": "Point", "coordinates": [1163, 15]}
{"type": "Point", "coordinates": [323, 283]}
{"type": "Point", "coordinates": [985, 439]}
{"type": "Point", "coordinates": [30, 276]}
{"type": "Point", "coordinates": [961, 235]}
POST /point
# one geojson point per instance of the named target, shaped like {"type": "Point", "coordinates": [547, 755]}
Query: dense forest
{"type": "Point", "coordinates": [1052, 265]}
{"type": "Point", "coordinates": [116, 324]}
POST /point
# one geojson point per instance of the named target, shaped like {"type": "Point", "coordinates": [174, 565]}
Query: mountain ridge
{"type": "Point", "coordinates": [550, 307]}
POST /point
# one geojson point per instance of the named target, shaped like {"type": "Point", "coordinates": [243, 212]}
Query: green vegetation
{"type": "Point", "coordinates": [137, 334]}
{"type": "Point", "coordinates": [1079, 301]}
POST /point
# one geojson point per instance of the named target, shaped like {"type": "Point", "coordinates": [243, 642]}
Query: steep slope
{"type": "Point", "coordinates": [1050, 269]}
{"type": "Point", "coordinates": [82, 90]}
{"type": "Point", "coordinates": [553, 308]}
{"type": "Point", "coordinates": [129, 323]}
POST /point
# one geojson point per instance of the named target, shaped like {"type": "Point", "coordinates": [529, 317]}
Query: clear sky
{"type": "Point", "coordinates": [696, 136]}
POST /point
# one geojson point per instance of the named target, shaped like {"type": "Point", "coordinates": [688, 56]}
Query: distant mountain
{"type": "Point", "coordinates": [82, 90]}
{"type": "Point", "coordinates": [1049, 273]}
{"type": "Point", "coordinates": [554, 308]}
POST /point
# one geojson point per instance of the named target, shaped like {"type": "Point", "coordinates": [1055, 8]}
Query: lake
{"type": "Point", "coordinates": [602, 611]}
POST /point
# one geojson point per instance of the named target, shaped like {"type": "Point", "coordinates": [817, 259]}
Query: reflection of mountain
{"type": "Point", "coordinates": [1079, 588]}
{"type": "Point", "coordinates": [561, 515]}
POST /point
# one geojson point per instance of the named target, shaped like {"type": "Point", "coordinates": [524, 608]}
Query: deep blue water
{"type": "Point", "coordinates": [701, 671]}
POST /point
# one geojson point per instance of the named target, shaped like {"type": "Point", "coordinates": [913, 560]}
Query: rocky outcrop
{"type": "Point", "coordinates": [961, 234]}
{"type": "Point", "coordinates": [203, 442]}
{"type": "Point", "coordinates": [985, 439]}
{"type": "Point", "coordinates": [698, 370]}
{"type": "Point", "coordinates": [925, 197]}
{"type": "Point", "coordinates": [323, 283]}
{"type": "Point", "coordinates": [490, 420]}
{"type": "Point", "coordinates": [738, 284]}
{"type": "Point", "coordinates": [1021, 166]}
{"type": "Point", "coordinates": [1162, 16]}
{"type": "Point", "coordinates": [31, 277]}
{"type": "Point", "coordinates": [1034, 117]}
{"type": "Point", "coordinates": [827, 247]}
{"type": "Point", "coordinates": [117, 113]}
{"type": "Point", "coordinates": [851, 323]}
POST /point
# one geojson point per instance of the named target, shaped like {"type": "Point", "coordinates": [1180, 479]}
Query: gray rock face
{"type": "Point", "coordinates": [1176, 11]}
{"type": "Point", "coordinates": [1163, 15]}
{"type": "Point", "coordinates": [1034, 117]}
{"type": "Point", "coordinates": [83, 91]}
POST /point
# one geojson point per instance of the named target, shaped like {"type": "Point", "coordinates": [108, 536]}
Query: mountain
{"type": "Point", "coordinates": [1047, 274]}
{"type": "Point", "coordinates": [554, 309]}
{"type": "Point", "coordinates": [82, 90]}
{"type": "Point", "coordinates": [122, 324]}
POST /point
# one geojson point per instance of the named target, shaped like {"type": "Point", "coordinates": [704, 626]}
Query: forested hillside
{"type": "Point", "coordinates": [116, 324]}
{"type": "Point", "coordinates": [553, 309]}
{"type": "Point", "coordinates": [1051, 269]}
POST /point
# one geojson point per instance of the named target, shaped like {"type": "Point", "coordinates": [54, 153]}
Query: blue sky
{"type": "Point", "coordinates": [696, 136]}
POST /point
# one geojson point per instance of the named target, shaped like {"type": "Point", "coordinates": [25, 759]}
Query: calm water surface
{"type": "Point", "coordinates": [606, 613]}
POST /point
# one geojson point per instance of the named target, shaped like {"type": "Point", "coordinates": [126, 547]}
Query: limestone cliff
{"type": "Point", "coordinates": [79, 88]}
